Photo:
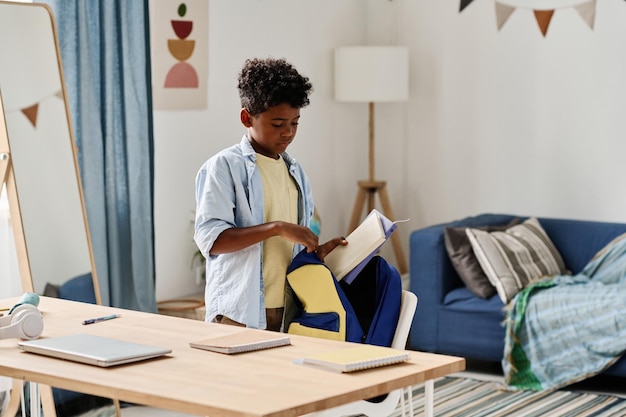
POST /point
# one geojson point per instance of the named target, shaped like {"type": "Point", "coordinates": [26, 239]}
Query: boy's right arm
{"type": "Point", "coordinates": [238, 238]}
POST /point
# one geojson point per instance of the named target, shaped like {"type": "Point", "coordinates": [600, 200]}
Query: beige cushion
{"type": "Point", "coordinates": [514, 258]}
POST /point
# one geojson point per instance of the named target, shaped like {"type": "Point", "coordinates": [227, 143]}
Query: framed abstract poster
{"type": "Point", "coordinates": [179, 37]}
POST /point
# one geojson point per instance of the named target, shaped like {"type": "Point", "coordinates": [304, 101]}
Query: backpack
{"type": "Point", "coordinates": [365, 311]}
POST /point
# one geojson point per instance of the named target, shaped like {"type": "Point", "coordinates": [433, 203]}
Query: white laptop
{"type": "Point", "coordinates": [92, 350]}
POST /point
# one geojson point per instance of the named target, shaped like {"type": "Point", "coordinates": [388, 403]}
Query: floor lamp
{"type": "Point", "coordinates": [371, 74]}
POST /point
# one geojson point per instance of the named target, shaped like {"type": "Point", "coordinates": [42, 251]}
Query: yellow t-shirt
{"type": "Point", "coordinates": [281, 203]}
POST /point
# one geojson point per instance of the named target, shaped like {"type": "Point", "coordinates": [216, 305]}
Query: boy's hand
{"type": "Point", "coordinates": [299, 234]}
{"type": "Point", "coordinates": [327, 247]}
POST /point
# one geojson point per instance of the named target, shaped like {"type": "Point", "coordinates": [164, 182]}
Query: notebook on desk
{"type": "Point", "coordinates": [244, 341]}
{"type": "Point", "coordinates": [92, 350]}
{"type": "Point", "coordinates": [356, 358]}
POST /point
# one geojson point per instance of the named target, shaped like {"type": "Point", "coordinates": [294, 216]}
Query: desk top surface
{"type": "Point", "coordinates": [262, 383]}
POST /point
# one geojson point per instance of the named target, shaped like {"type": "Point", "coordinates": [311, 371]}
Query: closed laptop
{"type": "Point", "coordinates": [93, 350]}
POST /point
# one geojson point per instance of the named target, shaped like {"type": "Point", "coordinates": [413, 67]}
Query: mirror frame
{"type": "Point", "coordinates": [9, 178]}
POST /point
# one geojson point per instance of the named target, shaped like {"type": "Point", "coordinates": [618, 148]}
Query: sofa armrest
{"type": "Point", "coordinates": [432, 275]}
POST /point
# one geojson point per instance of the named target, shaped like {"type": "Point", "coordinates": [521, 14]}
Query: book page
{"type": "Point", "coordinates": [364, 240]}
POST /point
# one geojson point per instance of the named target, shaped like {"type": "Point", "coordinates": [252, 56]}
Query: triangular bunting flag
{"type": "Point", "coordinates": [503, 12]}
{"type": "Point", "coordinates": [587, 11]}
{"type": "Point", "coordinates": [464, 4]}
{"type": "Point", "coordinates": [31, 113]}
{"type": "Point", "coordinates": [543, 20]}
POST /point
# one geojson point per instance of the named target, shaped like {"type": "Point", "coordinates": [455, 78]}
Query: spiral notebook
{"type": "Point", "coordinates": [245, 341]}
{"type": "Point", "coordinates": [356, 358]}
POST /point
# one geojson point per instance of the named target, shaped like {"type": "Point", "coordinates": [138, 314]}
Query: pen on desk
{"type": "Point", "coordinates": [97, 319]}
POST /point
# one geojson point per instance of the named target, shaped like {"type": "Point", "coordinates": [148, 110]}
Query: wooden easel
{"type": "Point", "coordinates": [369, 189]}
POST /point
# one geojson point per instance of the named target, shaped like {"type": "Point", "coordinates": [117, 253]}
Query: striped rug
{"type": "Point", "coordinates": [460, 397]}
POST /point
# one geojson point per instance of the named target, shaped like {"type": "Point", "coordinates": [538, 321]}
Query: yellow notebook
{"type": "Point", "coordinates": [356, 358]}
{"type": "Point", "coordinates": [244, 341]}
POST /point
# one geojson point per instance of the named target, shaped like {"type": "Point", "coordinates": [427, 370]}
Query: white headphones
{"type": "Point", "coordinates": [24, 321]}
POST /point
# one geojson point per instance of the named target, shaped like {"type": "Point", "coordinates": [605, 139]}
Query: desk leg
{"type": "Point", "coordinates": [409, 395]}
{"type": "Point", "coordinates": [14, 399]}
{"type": "Point", "coordinates": [35, 403]}
{"type": "Point", "coordinates": [40, 398]}
{"type": "Point", "coordinates": [47, 401]}
{"type": "Point", "coordinates": [429, 388]}
{"type": "Point", "coordinates": [118, 408]}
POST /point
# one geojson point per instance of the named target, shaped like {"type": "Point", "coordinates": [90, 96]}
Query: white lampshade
{"type": "Point", "coordinates": [372, 73]}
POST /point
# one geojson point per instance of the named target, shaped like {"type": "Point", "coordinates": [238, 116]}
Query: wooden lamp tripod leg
{"type": "Point", "coordinates": [395, 237]}
{"type": "Point", "coordinates": [358, 208]}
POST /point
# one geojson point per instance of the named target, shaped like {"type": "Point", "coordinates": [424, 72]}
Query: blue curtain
{"type": "Point", "coordinates": [105, 53]}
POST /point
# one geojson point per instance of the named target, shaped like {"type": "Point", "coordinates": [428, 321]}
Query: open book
{"type": "Point", "coordinates": [244, 341]}
{"type": "Point", "coordinates": [346, 262]}
{"type": "Point", "coordinates": [355, 358]}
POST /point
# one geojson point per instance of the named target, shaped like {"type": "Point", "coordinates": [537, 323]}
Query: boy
{"type": "Point", "coordinates": [254, 202]}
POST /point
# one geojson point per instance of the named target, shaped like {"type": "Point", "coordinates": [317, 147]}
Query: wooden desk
{"type": "Point", "coordinates": [262, 383]}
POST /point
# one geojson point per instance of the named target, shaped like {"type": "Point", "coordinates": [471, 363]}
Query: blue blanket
{"type": "Point", "coordinates": [568, 327]}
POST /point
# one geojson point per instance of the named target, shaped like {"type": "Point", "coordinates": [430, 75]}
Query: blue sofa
{"type": "Point", "coordinates": [450, 319]}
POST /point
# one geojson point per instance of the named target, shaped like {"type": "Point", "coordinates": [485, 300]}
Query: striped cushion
{"type": "Point", "coordinates": [516, 257]}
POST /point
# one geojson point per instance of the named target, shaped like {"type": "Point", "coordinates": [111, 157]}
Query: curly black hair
{"type": "Point", "coordinates": [265, 83]}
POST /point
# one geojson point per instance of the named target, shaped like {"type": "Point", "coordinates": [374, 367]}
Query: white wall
{"type": "Point", "coordinates": [497, 121]}
{"type": "Point", "coordinates": [520, 123]}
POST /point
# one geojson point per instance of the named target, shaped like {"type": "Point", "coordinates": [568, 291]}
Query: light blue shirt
{"type": "Point", "coordinates": [229, 193]}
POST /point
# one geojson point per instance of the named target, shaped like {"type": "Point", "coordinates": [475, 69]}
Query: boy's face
{"type": "Point", "coordinates": [272, 131]}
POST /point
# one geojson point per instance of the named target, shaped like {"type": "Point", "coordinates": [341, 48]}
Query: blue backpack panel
{"type": "Point", "coordinates": [365, 311]}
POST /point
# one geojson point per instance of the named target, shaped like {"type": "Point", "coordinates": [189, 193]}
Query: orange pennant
{"type": "Point", "coordinates": [31, 113]}
{"type": "Point", "coordinates": [543, 19]}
